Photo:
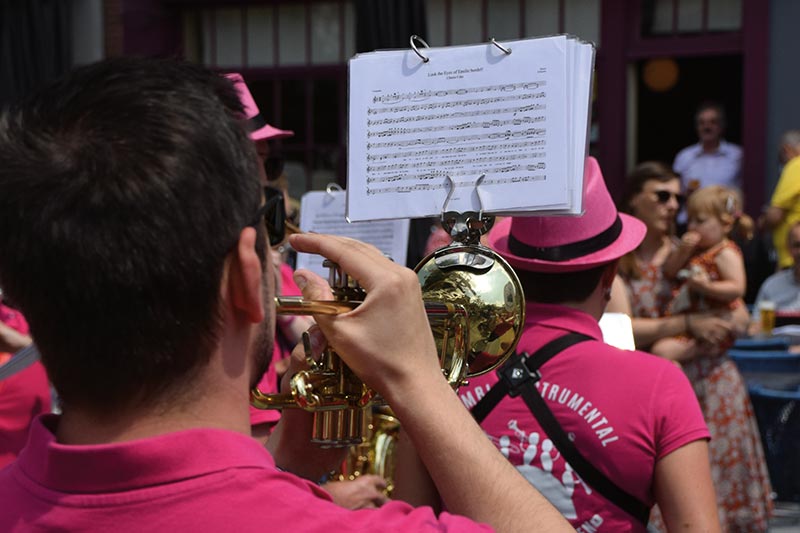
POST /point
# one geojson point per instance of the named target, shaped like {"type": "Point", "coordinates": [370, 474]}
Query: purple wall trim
{"type": "Point", "coordinates": [685, 46]}
{"type": "Point", "coordinates": [150, 29]}
{"type": "Point", "coordinates": [755, 19]}
{"type": "Point", "coordinates": [612, 95]}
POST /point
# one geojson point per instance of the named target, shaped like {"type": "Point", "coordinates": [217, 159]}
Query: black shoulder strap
{"type": "Point", "coordinates": [518, 376]}
{"type": "Point", "coordinates": [522, 369]}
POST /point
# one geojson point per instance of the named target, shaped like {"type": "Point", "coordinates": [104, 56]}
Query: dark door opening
{"type": "Point", "coordinates": [665, 118]}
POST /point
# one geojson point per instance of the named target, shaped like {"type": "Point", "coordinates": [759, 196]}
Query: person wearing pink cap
{"type": "Point", "coordinates": [604, 433]}
{"type": "Point", "coordinates": [260, 131]}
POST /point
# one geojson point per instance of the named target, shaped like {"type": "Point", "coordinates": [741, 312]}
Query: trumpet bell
{"type": "Point", "coordinates": [477, 280]}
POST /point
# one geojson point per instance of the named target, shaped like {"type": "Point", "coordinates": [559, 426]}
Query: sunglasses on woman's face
{"type": "Point", "coordinates": [663, 197]}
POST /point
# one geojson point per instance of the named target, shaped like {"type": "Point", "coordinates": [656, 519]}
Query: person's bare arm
{"type": "Point", "coordinates": [388, 343]}
{"type": "Point", "coordinates": [772, 217]}
{"type": "Point", "coordinates": [680, 254]}
{"type": "Point", "coordinates": [412, 483]}
{"type": "Point", "coordinates": [363, 492]}
{"type": "Point", "coordinates": [702, 326]}
{"type": "Point", "coordinates": [684, 490]}
{"type": "Point", "coordinates": [12, 340]}
{"type": "Point", "coordinates": [732, 282]}
{"type": "Point", "coordinates": [619, 302]}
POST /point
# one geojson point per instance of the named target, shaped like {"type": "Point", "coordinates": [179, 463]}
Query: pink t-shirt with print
{"type": "Point", "coordinates": [625, 409]}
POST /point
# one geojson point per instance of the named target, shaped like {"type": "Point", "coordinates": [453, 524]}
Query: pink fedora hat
{"type": "Point", "coordinates": [565, 243]}
{"type": "Point", "coordinates": [259, 129]}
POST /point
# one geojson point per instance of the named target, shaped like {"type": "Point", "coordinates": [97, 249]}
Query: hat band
{"type": "Point", "coordinates": [254, 123]}
{"type": "Point", "coordinates": [566, 252]}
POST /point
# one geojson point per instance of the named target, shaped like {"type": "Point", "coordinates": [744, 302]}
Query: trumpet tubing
{"type": "Point", "coordinates": [476, 311]}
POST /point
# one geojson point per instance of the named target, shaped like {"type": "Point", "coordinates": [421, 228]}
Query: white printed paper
{"type": "Point", "coordinates": [417, 128]}
{"type": "Point", "coordinates": [323, 212]}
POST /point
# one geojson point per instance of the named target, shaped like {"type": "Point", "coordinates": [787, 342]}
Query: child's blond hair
{"type": "Point", "coordinates": [723, 203]}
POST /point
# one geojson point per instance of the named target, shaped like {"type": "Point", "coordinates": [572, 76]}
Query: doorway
{"type": "Point", "coordinates": [669, 91]}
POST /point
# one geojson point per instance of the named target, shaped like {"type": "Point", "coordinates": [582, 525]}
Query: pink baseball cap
{"type": "Point", "coordinates": [565, 243]}
{"type": "Point", "coordinates": [259, 129]}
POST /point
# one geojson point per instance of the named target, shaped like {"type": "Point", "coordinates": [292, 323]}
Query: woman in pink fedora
{"type": "Point", "coordinates": [602, 432]}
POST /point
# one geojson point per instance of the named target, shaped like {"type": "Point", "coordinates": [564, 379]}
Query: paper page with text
{"type": "Point", "coordinates": [580, 61]}
{"type": "Point", "coordinates": [470, 111]}
{"type": "Point", "coordinates": [323, 212]}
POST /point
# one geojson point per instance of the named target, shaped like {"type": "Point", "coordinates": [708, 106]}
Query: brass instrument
{"type": "Point", "coordinates": [376, 455]}
{"type": "Point", "coordinates": [476, 309]}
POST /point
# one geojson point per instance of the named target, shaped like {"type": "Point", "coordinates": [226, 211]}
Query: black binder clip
{"type": "Point", "coordinates": [516, 375]}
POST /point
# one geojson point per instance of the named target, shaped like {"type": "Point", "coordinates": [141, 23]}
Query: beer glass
{"type": "Point", "coordinates": [766, 311]}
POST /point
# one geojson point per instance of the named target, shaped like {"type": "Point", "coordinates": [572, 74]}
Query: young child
{"type": "Point", "coordinates": [708, 262]}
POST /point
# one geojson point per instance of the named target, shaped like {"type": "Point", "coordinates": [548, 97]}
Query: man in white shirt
{"type": "Point", "coordinates": [712, 160]}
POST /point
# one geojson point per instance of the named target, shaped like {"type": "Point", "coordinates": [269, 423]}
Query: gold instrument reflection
{"type": "Point", "coordinates": [376, 455]}
{"type": "Point", "coordinates": [475, 307]}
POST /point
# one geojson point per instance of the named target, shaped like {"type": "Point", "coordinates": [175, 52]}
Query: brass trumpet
{"type": "Point", "coordinates": [376, 455]}
{"type": "Point", "coordinates": [476, 310]}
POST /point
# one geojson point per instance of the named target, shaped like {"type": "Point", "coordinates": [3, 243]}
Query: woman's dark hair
{"type": "Point", "coordinates": [644, 172]}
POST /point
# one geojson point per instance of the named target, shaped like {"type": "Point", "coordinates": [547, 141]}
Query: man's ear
{"type": "Point", "coordinates": [609, 273]}
{"type": "Point", "coordinates": [245, 277]}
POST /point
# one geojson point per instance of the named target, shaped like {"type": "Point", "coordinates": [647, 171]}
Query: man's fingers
{"type": "Point", "coordinates": [362, 261]}
{"type": "Point", "coordinates": [312, 286]}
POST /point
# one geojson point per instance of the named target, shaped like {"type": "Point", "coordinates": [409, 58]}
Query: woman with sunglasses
{"type": "Point", "coordinates": [737, 465]}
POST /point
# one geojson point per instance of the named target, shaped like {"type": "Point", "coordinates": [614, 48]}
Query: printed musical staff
{"type": "Point", "coordinates": [518, 120]}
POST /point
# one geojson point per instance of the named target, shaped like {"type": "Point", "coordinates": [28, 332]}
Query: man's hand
{"type": "Point", "coordinates": [771, 217]}
{"type": "Point", "coordinates": [12, 340]}
{"type": "Point", "coordinates": [364, 492]}
{"type": "Point", "coordinates": [689, 241]}
{"type": "Point", "coordinates": [387, 340]}
{"type": "Point", "coordinates": [710, 329]}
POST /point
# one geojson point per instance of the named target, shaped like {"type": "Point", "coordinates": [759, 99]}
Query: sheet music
{"type": "Point", "coordinates": [469, 111]}
{"type": "Point", "coordinates": [580, 56]}
{"type": "Point", "coordinates": [323, 212]}
{"type": "Point", "coordinates": [617, 330]}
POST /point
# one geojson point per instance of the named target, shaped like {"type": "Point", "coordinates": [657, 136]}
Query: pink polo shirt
{"type": "Point", "coordinates": [196, 480]}
{"type": "Point", "coordinates": [269, 381]}
{"type": "Point", "coordinates": [625, 410]}
{"type": "Point", "coordinates": [23, 396]}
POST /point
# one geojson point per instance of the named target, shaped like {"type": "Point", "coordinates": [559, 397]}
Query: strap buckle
{"type": "Point", "coordinates": [517, 375]}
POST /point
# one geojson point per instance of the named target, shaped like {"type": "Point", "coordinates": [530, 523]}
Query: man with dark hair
{"type": "Point", "coordinates": [134, 241]}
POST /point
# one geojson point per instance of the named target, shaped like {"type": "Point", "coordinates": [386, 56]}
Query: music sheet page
{"type": "Point", "coordinates": [470, 111]}
{"type": "Point", "coordinates": [323, 212]}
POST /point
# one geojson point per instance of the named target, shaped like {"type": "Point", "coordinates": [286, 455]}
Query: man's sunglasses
{"type": "Point", "coordinates": [664, 196]}
{"type": "Point", "coordinates": [274, 214]}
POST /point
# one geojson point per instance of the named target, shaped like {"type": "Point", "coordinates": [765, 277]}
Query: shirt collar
{"type": "Point", "coordinates": [104, 468]}
{"type": "Point", "coordinates": [724, 148]}
{"type": "Point", "coordinates": [561, 317]}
